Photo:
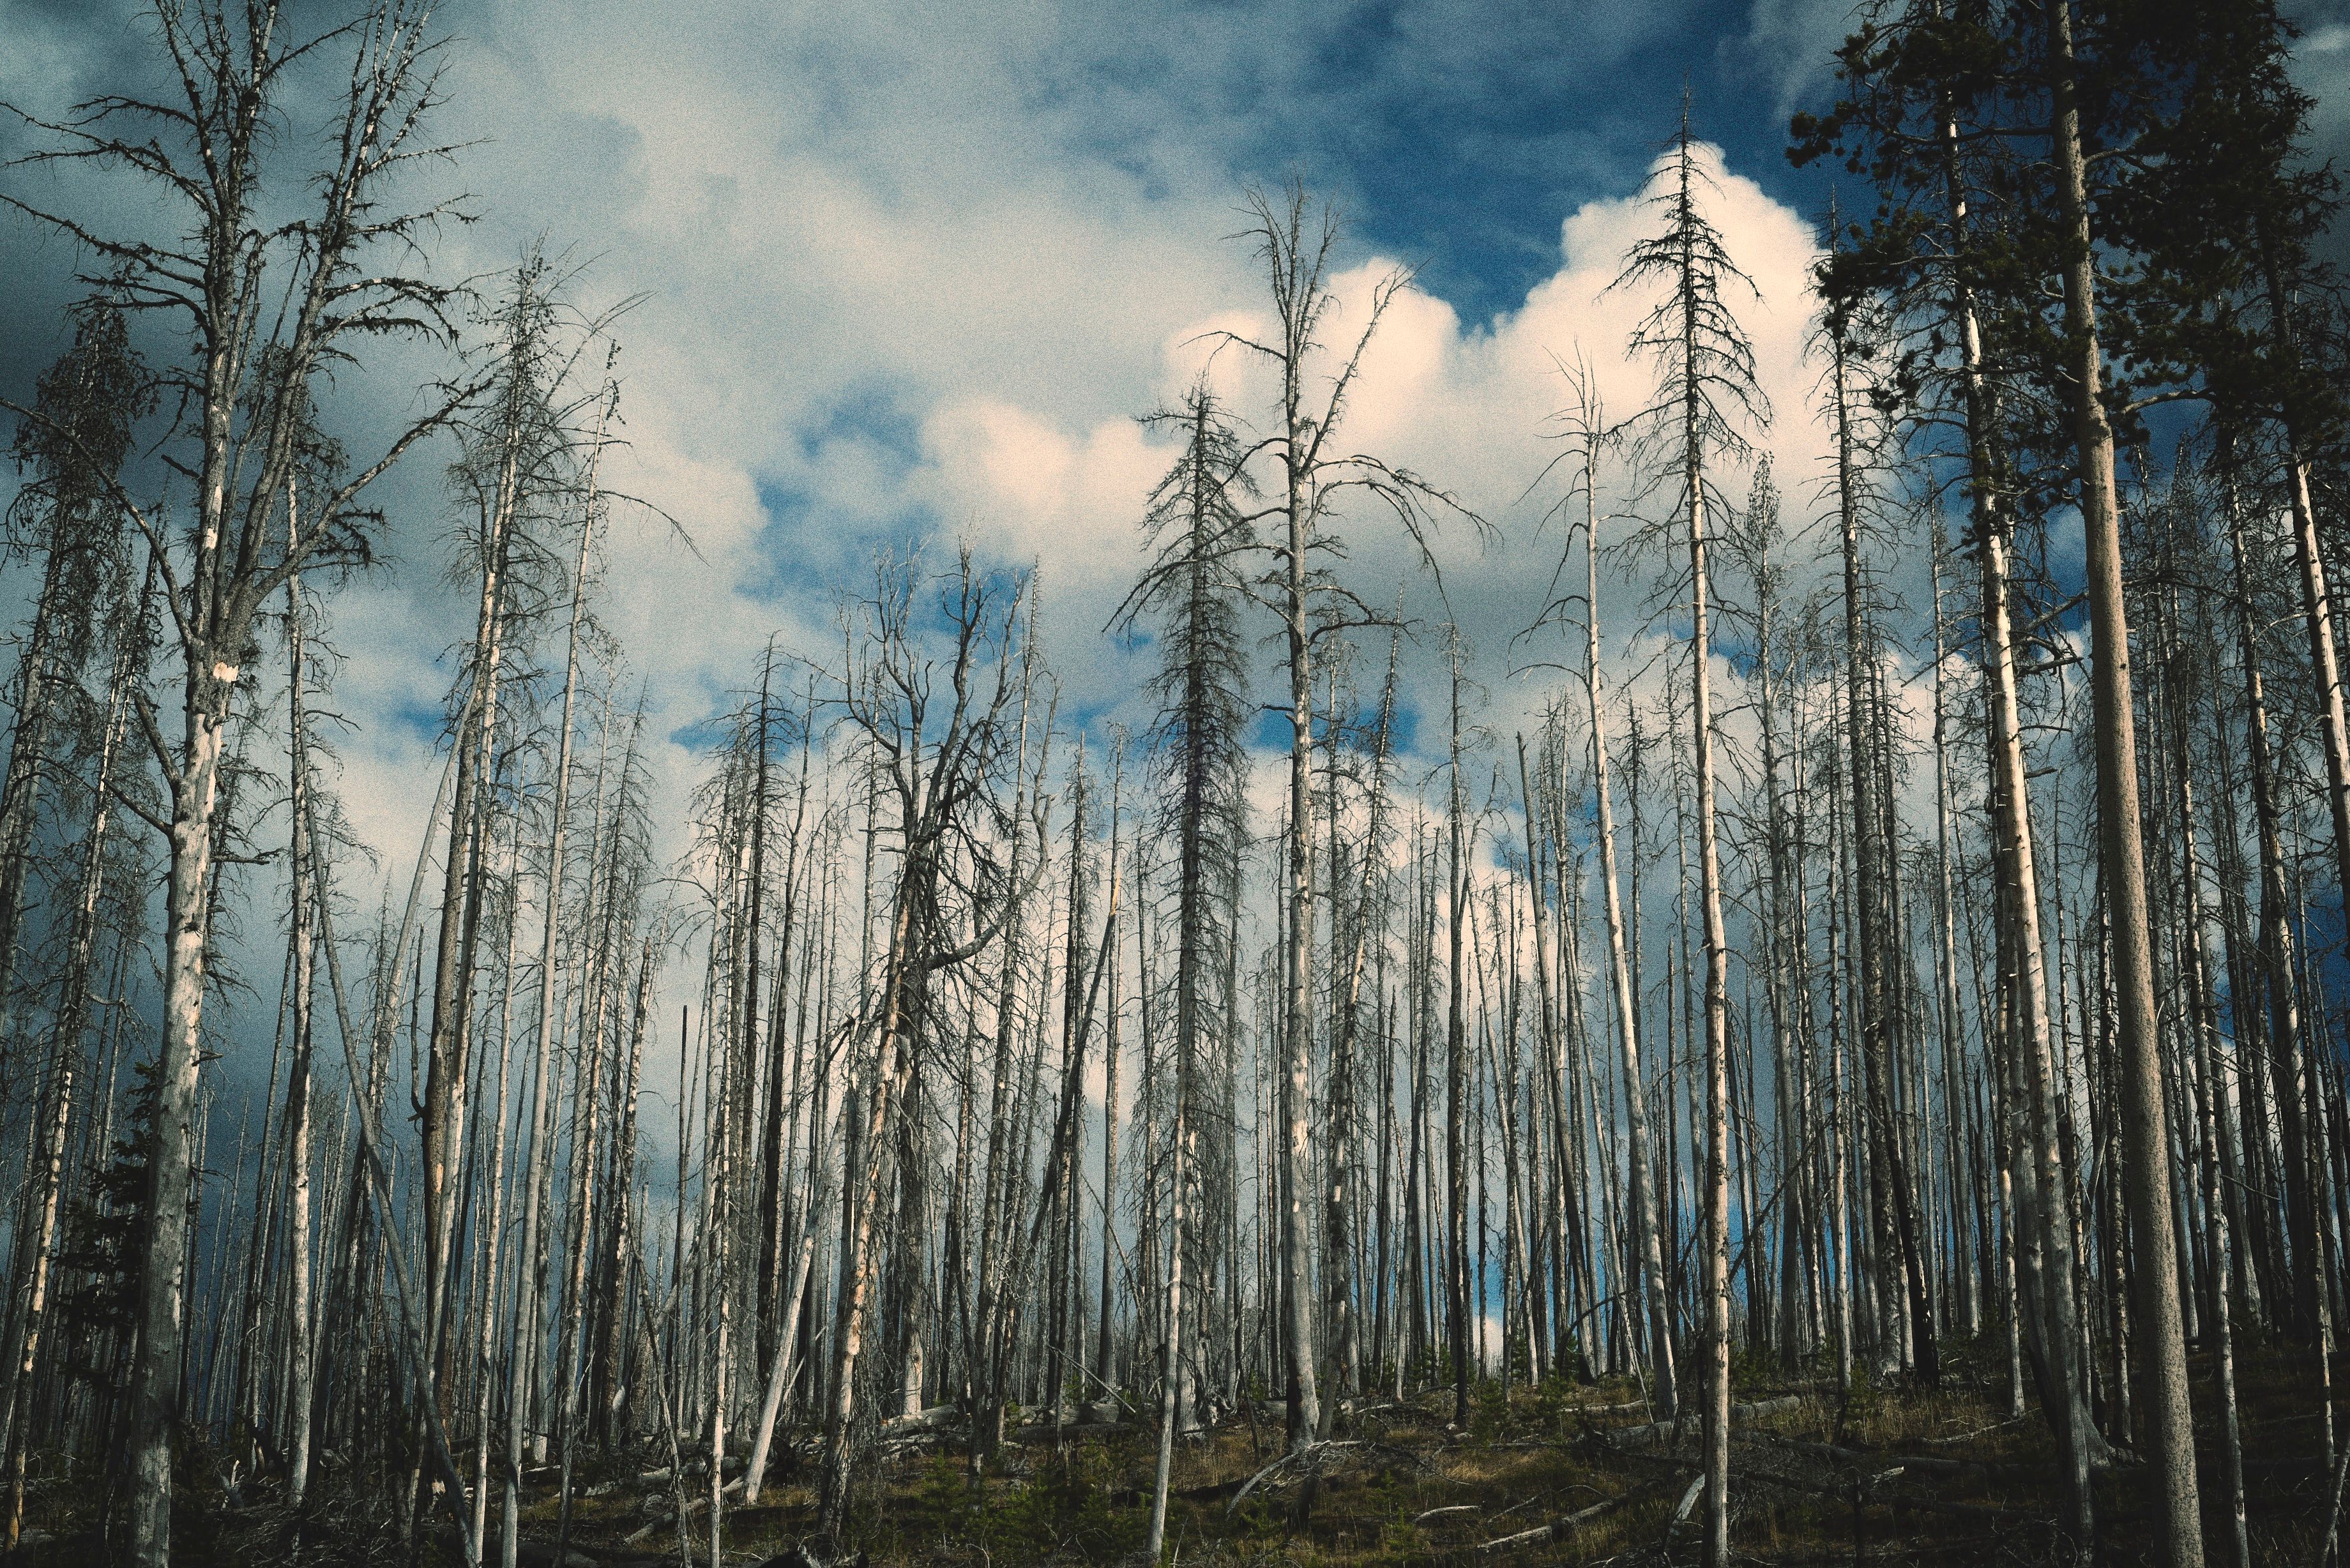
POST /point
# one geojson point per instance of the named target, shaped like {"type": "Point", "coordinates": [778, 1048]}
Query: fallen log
{"type": "Point", "coordinates": [546, 1554]}
{"type": "Point", "coordinates": [1931, 1464]}
{"type": "Point", "coordinates": [529, 1554]}
{"type": "Point", "coordinates": [1557, 1529]}
{"type": "Point", "coordinates": [929, 1419]}
{"type": "Point", "coordinates": [1867, 1487]}
{"type": "Point", "coordinates": [1655, 1432]}
{"type": "Point", "coordinates": [698, 1505]}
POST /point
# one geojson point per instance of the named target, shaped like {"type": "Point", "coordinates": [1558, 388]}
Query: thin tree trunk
{"type": "Point", "coordinates": [523, 1355]}
{"type": "Point", "coordinates": [301, 1361]}
{"type": "Point", "coordinates": [2042, 1182]}
{"type": "Point", "coordinates": [1872, 933]}
{"type": "Point", "coordinates": [1640, 1198]}
{"type": "Point", "coordinates": [1461, 1309]}
{"type": "Point", "coordinates": [1717, 994]}
{"type": "Point", "coordinates": [68, 1027]}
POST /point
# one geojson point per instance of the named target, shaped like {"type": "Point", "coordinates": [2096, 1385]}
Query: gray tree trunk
{"type": "Point", "coordinates": [2154, 1271]}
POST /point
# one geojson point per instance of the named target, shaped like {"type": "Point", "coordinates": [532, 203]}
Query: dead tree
{"type": "Point", "coordinates": [1314, 476]}
{"type": "Point", "coordinates": [937, 730]}
{"type": "Point", "coordinates": [1707, 391]}
{"type": "Point", "coordinates": [266, 305]}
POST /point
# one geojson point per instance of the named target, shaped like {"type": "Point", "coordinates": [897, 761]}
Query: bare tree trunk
{"type": "Point", "coordinates": [1460, 1308]}
{"type": "Point", "coordinates": [2042, 1181]}
{"type": "Point", "coordinates": [1716, 1022]}
{"type": "Point", "coordinates": [721, 1143]}
{"type": "Point", "coordinates": [786, 1363]}
{"type": "Point", "coordinates": [1343, 1182]}
{"type": "Point", "coordinates": [893, 1066]}
{"type": "Point", "coordinates": [1297, 955]}
{"type": "Point", "coordinates": [1641, 1196]}
{"type": "Point", "coordinates": [1946, 995]}
{"type": "Point", "coordinates": [1873, 929]}
{"type": "Point", "coordinates": [486, 1345]}
{"type": "Point", "coordinates": [597, 961]}
{"type": "Point", "coordinates": [444, 1104]}
{"type": "Point", "coordinates": [987, 1352]}
{"type": "Point", "coordinates": [373, 1178]}
{"type": "Point", "coordinates": [301, 1361]}
{"type": "Point", "coordinates": [623, 1184]}
{"type": "Point", "coordinates": [1104, 1372]}
{"type": "Point", "coordinates": [1171, 1347]}
{"type": "Point", "coordinates": [528, 1329]}
{"type": "Point", "coordinates": [2207, 1083]}
{"type": "Point", "coordinates": [36, 702]}
{"type": "Point", "coordinates": [2155, 1265]}
{"type": "Point", "coordinates": [56, 1115]}
{"type": "Point", "coordinates": [196, 782]}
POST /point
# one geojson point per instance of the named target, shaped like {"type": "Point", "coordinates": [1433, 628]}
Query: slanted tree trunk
{"type": "Point", "coordinates": [444, 1104]}
{"type": "Point", "coordinates": [56, 1116]}
{"type": "Point", "coordinates": [35, 702]}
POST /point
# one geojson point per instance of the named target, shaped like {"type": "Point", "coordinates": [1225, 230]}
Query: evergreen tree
{"type": "Point", "coordinates": [1194, 588]}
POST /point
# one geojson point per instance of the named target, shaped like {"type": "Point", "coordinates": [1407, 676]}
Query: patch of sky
{"type": "Point", "coordinates": [808, 538]}
{"type": "Point", "coordinates": [869, 416]}
{"type": "Point", "coordinates": [1271, 731]}
{"type": "Point", "coordinates": [807, 542]}
{"type": "Point", "coordinates": [412, 716]}
{"type": "Point", "coordinates": [1470, 167]}
{"type": "Point", "coordinates": [703, 735]}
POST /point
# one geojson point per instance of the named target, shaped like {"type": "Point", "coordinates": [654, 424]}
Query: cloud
{"type": "Point", "coordinates": [907, 274]}
{"type": "Point", "coordinates": [1794, 43]}
{"type": "Point", "coordinates": [1467, 406]}
{"type": "Point", "coordinates": [857, 450]}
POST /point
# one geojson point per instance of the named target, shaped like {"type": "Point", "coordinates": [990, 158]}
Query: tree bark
{"type": "Point", "coordinates": [2146, 1147]}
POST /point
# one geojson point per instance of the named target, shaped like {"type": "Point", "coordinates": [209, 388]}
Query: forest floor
{"type": "Point", "coordinates": [1564, 1474]}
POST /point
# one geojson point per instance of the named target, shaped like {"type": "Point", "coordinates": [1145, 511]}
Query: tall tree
{"type": "Point", "coordinates": [266, 303]}
{"type": "Point", "coordinates": [1194, 588]}
{"type": "Point", "coordinates": [1295, 246]}
{"type": "Point", "coordinates": [1707, 399]}
{"type": "Point", "coordinates": [936, 727]}
{"type": "Point", "coordinates": [1922, 85]}
{"type": "Point", "coordinates": [1862, 402]}
{"type": "Point", "coordinates": [1589, 437]}
{"type": "Point", "coordinates": [69, 518]}
{"type": "Point", "coordinates": [2121, 855]}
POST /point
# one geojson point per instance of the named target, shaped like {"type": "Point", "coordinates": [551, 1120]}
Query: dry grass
{"type": "Point", "coordinates": [1890, 1475]}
